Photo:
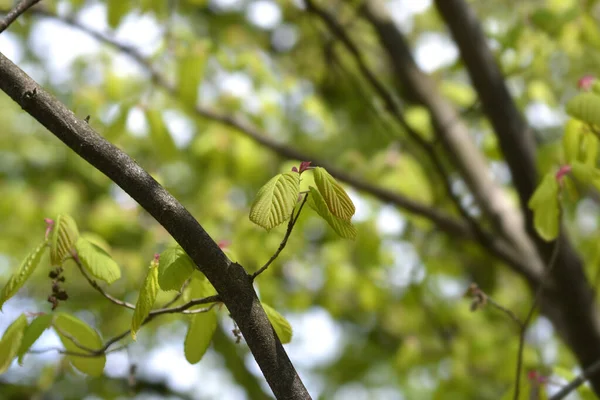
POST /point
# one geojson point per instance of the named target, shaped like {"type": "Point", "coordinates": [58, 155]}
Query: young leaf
{"type": "Point", "coordinates": [572, 140]}
{"type": "Point", "coordinates": [11, 341]}
{"type": "Point", "coordinates": [282, 327]}
{"type": "Point", "coordinates": [333, 193]}
{"type": "Point", "coordinates": [163, 142]}
{"type": "Point", "coordinates": [32, 333]}
{"type": "Point", "coordinates": [117, 9]}
{"type": "Point", "coordinates": [96, 261]}
{"type": "Point", "coordinates": [146, 299]}
{"type": "Point", "coordinates": [174, 268]}
{"type": "Point", "coordinates": [85, 336]}
{"type": "Point", "coordinates": [190, 73]}
{"type": "Point", "coordinates": [199, 335]}
{"type": "Point", "coordinates": [586, 174]}
{"type": "Point", "coordinates": [342, 227]}
{"type": "Point", "coordinates": [546, 209]}
{"type": "Point", "coordinates": [589, 149]}
{"type": "Point", "coordinates": [275, 201]}
{"type": "Point", "coordinates": [17, 280]}
{"type": "Point", "coordinates": [585, 107]}
{"type": "Point", "coordinates": [63, 238]}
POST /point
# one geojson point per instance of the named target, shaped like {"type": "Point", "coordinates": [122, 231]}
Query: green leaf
{"type": "Point", "coordinates": [282, 327]}
{"type": "Point", "coordinates": [199, 335]}
{"type": "Point", "coordinates": [32, 333]}
{"type": "Point", "coordinates": [146, 299]}
{"type": "Point", "coordinates": [18, 279]}
{"type": "Point", "coordinates": [585, 107]}
{"type": "Point", "coordinates": [342, 227]}
{"type": "Point", "coordinates": [97, 261]}
{"type": "Point", "coordinates": [586, 174]}
{"type": "Point", "coordinates": [572, 140]}
{"type": "Point", "coordinates": [333, 193]}
{"type": "Point", "coordinates": [174, 268]}
{"type": "Point", "coordinates": [117, 10]}
{"type": "Point", "coordinates": [545, 206]}
{"type": "Point", "coordinates": [275, 201]}
{"type": "Point", "coordinates": [11, 341]}
{"type": "Point", "coordinates": [589, 149]}
{"type": "Point", "coordinates": [63, 238]}
{"type": "Point", "coordinates": [163, 141]}
{"type": "Point", "coordinates": [85, 336]}
{"type": "Point", "coordinates": [190, 73]}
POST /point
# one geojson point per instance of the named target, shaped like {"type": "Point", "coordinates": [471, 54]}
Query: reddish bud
{"type": "Point", "coordinates": [585, 82]}
{"type": "Point", "coordinates": [304, 165]}
{"type": "Point", "coordinates": [156, 257]}
{"type": "Point", "coordinates": [49, 225]}
{"type": "Point", "coordinates": [562, 171]}
{"type": "Point", "coordinates": [224, 243]}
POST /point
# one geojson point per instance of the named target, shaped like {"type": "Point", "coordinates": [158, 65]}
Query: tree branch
{"type": "Point", "coordinates": [591, 370]}
{"type": "Point", "coordinates": [229, 279]}
{"type": "Point", "coordinates": [19, 9]}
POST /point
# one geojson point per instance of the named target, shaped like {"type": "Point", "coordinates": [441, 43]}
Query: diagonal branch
{"type": "Point", "coordinates": [228, 278]}
{"type": "Point", "coordinates": [13, 14]}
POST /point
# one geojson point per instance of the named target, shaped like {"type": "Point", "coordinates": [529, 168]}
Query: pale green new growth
{"type": "Point", "coordinates": [342, 227]}
{"type": "Point", "coordinates": [585, 107]}
{"type": "Point", "coordinates": [17, 280]}
{"type": "Point", "coordinates": [545, 207]}
{"type": "Point", "coordinates": [282, 327]}
{"type": "Point", "coordinates": [62, 239]}
{"type": "Point", "coordinates": [32, 333]}
{"type": "Point", "coordinates": [275, 201]}
{"type": "Point", "coordinates": [174, 268]}
{"type": "Point", "coordinates": [86, 337]}
{"type": "Point", "coordinates": [199, 335]}
{"type": "Point", "coordinates": [333, 193]}
{"type": "Point", "coordinates": [11, 341]}
{"type": "Point", "coordinates": [97, 261]}
{"type": "Point", "coordinates": [146, 299]}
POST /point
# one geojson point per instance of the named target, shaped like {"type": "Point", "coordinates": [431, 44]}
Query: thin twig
{"type": "Point", "coordinates": [578, 381]}
{"type": "Point", "coordinates": [95, 285]}
{"type": "Point", "coordinates": [75, 341]}
{"type": "Point", "coordinates": [288, 232]}
{"type": "Point", "coordinates": [13, 14]}
{"type": "Point", "coordinates": [506, 311]}
{"type": "Point", "coordinates": [527, 321]}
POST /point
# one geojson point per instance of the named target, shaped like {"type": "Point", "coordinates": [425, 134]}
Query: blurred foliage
{"type": "Point", "coordinates": [395, 293]}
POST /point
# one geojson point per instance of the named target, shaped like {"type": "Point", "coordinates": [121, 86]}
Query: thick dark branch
{"type": "Point", "coordinates": [19, 9]}
{"type": "Point", "coordinates": [229, 279]}
{"type": "Point", "coordinates": [571, 307]}
{"type": "Point", "coordinates": [593, 369]}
